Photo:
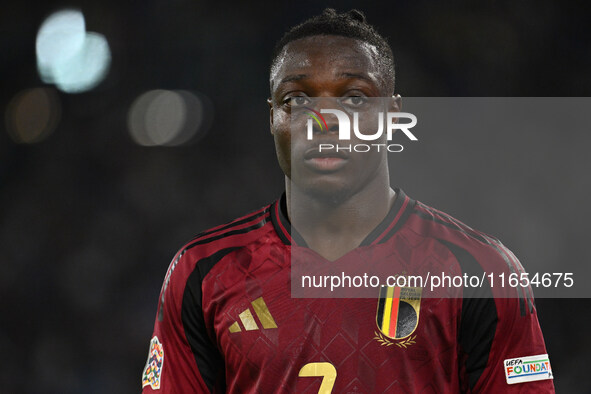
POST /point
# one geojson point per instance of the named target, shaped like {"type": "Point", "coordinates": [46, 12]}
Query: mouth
{"type": "Point", "coordinates": [325, 161]}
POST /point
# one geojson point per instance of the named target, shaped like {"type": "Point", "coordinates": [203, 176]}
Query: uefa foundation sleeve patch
{"type": "Point", "coordinates": [153, 368]}
{"type": "Point", "coordinates": [528, 369]}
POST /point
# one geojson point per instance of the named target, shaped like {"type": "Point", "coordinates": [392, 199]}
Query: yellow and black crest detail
{"type": "Point", "coordinates": [397, 316]}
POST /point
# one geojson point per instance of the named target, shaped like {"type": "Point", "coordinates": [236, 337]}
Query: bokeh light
{"type": "Point", "coordinates": [87, 68]}
{"type": "Point", "coordinates": [168, 117]}
{"type": "Point", "coordinates": [59, 38]}
{"type": "Point", "coordinates": [165, 117]}
{"type": "Point", "coordinates": [32, 115]}
{"type": "Point", "coordinates": [74, 60]}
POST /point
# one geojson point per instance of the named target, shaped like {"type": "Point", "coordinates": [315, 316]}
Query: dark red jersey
{"type": "Point", "coordinates": [227, 320]}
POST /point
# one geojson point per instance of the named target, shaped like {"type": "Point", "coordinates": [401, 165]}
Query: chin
{"type": "Point", "coordinates": [331, 193]}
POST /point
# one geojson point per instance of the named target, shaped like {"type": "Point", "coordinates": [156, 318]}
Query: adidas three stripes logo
{"type": "Point", "coordinates": [248, 321]}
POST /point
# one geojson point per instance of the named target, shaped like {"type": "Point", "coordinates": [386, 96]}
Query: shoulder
{"type": "Point", "coordinates": [202, 252]}
{"type": "Point", "coordinates": [490, 253]}
{"type": "Point", "coordinates": [477, 253]}
{"type": "Point", "coordinates": [197, 257]}
{"type": "Point", "coordinates": [431, 222]}
{"type": "Point", "coordinates": [222, 239]}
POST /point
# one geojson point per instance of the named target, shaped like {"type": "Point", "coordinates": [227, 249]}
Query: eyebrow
{"type": "Point", "coordinates": [298, 77]}
{"type": "Point", "coordinates": [355, 75]}
{"type": "Point", "coordinates": [291, 78]}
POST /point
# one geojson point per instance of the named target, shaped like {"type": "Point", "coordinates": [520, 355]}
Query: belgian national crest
{"type": "Point", "coordinates": [397, 316]}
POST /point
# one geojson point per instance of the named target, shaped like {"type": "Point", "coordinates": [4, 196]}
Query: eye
{"type": "Point", "coordinates": [296, 101]}
{"type": "Point", "coordinates": [354, 101]}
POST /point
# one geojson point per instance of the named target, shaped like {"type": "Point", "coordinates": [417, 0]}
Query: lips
{"type": "Point", "coordinates": [328, 161]}
{"type": "Point", "coordinates": [316, 153]}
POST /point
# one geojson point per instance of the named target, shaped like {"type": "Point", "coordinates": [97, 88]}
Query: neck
{"type": "Point", "coordinates": [334, 226]}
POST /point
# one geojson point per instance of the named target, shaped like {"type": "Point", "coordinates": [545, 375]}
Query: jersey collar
{"type": "Point", "coordinates": [396, 217]}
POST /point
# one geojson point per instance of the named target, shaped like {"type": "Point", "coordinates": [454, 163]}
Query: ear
{"type": "Point", "coordinates": [396, 103]}
{"type": "Point", "coordinates": [270, 102]}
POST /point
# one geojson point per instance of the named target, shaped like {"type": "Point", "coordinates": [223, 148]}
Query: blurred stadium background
{"type": "Point", "coordinates": [147, 123]}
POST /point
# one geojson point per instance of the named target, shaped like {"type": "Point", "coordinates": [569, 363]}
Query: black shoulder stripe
{"type": "Point", "coordinates": [255, 226]}
{"type": "Point", "coordinates": [209, 361]}
{"type": "Point", "coordinates": [259, 224]}
{"type": "Point", "coordinates": [232, 224]}
{"type": "Point", "coordinates": [479, 316]}
{"type": "Point", "coordinates": [496, 244]}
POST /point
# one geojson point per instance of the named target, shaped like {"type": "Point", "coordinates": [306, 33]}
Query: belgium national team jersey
{"type": "Point", "coordinates": [227, 321]}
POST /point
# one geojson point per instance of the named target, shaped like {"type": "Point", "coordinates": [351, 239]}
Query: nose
{"type": "Point", "coordinates": [329, 120]}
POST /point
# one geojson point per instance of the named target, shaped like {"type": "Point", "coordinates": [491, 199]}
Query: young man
{"type": "Point", "coordinates": [226, 317]}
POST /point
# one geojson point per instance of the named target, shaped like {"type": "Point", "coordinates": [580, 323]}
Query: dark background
{"type": "Point", "coordinates": [89, 220]}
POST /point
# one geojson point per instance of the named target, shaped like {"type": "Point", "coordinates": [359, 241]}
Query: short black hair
{"type": "Point", "coordinates": [350, 24]}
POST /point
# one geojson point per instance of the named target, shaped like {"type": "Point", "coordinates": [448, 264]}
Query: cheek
{"type": "Point", "coordinates": [280, 118]}
{"type": "Point", "coordinates": [370, 123]}
{"type": "Point", "coordinates": [281, 132]}
{"type": "Point", "coordinates": [283, 149]}
{"type": "Point", "coordinates": [283, 142]}
{"type": "Point", "coordinates": [286, 142]}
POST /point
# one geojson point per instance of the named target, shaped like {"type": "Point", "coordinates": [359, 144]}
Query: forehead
{"type": "Point", "coordinates": [325, 53]}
